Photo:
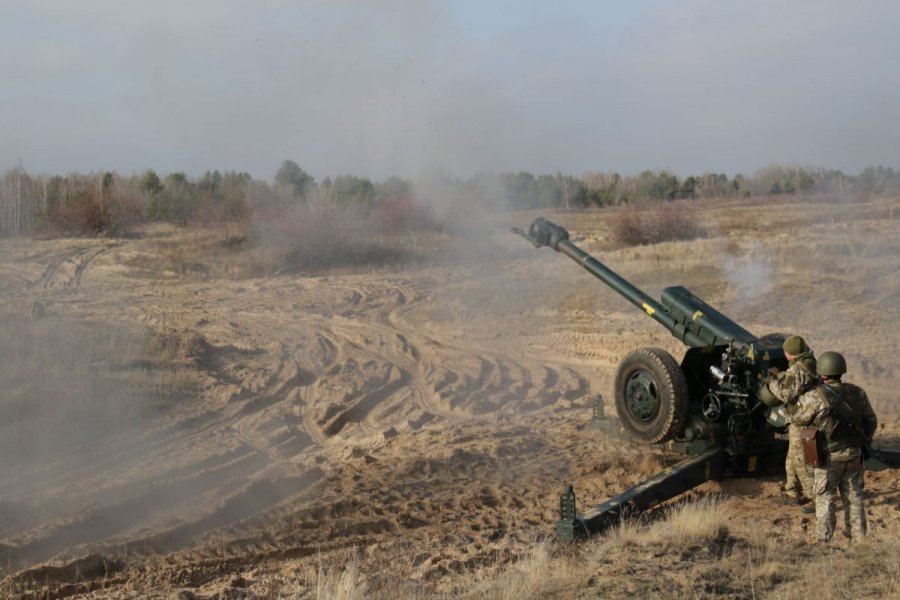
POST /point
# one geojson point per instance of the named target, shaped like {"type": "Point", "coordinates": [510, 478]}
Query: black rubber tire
{"type": "Point", "coordinates": [653, 372]}
{"type": "Point", "coordinates": [774, 339]}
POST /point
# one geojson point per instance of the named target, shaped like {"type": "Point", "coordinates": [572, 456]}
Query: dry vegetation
{"type": "Point", "coordinates": [236, 413]}
{"type": "Point", "coordinates": [695, 548]}
{"type": "Point", "coordinates": [655, 223]}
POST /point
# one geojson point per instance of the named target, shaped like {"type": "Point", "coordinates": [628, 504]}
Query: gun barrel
{"type": "Point", "coordinates": [684, 315]}
{"type": "Point", "coordinates": [630, 292]}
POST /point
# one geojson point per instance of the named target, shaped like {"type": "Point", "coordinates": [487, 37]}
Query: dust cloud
{"type": "Point", "coordinates": [78, 401]}
{"type": "Point", "coordinates": [66, 385]}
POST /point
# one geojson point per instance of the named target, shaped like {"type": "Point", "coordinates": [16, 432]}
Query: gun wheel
{"type": "Point", "coordinates": [651, 395]}
{"type": "Point", "coordinates": [774, 339]}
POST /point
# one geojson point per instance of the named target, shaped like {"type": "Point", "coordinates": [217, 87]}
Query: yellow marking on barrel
{"type": "Point", "coordinates": [697, 315]}
{"type": "Point", "coordinates": [751, 354]}
{"type": "Point", "coordinates": [648, 309]}
{"type": "Point", "coordinates": [766, 356]}
{"type": "Point", "coordinates": [751, 464]}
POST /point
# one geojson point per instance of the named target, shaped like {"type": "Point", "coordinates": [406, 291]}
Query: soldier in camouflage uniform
{"type": "Point", "coordinates": [843, 413]}
{"type": "Point", "coordinates": [787, 387]}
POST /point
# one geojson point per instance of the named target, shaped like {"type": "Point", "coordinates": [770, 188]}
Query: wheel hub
{"type": "Point", "coordinates": [642, 396]}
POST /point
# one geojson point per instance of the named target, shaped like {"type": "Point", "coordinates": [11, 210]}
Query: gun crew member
{"type": "Point", "coordinates": [842, 413]}
{"type": "Point", "coordinates": [787, 387]}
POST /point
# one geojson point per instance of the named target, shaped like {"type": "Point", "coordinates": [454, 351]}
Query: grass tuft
{"type": "Point", "coordinates": [347, 583]}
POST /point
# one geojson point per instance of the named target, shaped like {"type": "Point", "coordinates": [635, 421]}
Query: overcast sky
{"type": "Point", "coordinates": [387, 87]}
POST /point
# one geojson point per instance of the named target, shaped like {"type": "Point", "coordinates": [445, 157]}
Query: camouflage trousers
{"type": "Point", "coordinates": [799, 480]}
{"type": "Point", "coordinates": [840, 475]}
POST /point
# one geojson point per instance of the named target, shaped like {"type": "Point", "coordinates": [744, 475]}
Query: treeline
{"type": "Point", "coordinates": [109, 203]}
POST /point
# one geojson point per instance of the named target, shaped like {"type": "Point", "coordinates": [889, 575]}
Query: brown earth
{"type": "Point", "coordinates": [420, 421]}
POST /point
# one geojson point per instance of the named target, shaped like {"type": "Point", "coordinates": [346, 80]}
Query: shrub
{"type": "Point", "coordinates": [90, 205]}
{"type": "Point", "coordinates": [651, 225]}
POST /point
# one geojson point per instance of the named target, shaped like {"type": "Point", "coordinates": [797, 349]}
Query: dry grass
{"type": "Point", "coordinates": [654, 224]}
{"type": "Point", "coordinates": [870, 570]}
{"type": "Point", "coordinates": [542, 573]}
{"type": "Point", "coordinates": [697, 519]}
{"type": "Point", "coordinates": [696, 529]}
{"type": "Point", "coordinates": [347, 583]}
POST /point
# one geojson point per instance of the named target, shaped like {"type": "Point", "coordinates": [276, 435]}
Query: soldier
{"type": "Point", "coordinates": [787, 387]}
{"type": "Point", "coordinates": [841, 411]}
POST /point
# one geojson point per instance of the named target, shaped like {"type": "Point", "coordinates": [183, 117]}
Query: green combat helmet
{"type": "Point", "coordinates": [795, 345]}
{"type": "Point", "coordinates": [832, 364]}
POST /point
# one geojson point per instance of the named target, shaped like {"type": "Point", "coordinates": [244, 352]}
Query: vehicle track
{"type": "Point", "coordinates": [55, 276]}
{"type": "Point", "coordinates": [290, 405]}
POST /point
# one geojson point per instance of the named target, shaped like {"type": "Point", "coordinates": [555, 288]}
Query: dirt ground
{"type": "Point", "coordinates": [420, 421]}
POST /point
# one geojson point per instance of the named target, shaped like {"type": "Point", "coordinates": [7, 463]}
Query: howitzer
{"type": "Point", "coordinates": [707, 406]}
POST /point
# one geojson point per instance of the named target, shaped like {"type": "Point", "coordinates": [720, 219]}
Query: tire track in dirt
{"type": "Point", "coordinates": [250, 421]}
{"type": "Point", "coordinates": [266, 418]}
{"type": "Point", "coordinates": [392, 349]}
{"type": "Point", "coordinates": [134, 449]}
{"type": "Point", "coordinates": [353, 334]}
{"type": "Point", "coordinates": [141, 453]}
{"type": "Point", "coordinates": [276, 366]}
{"type": "Point", "coordinates": [404, 353]}
{"type": "Point", "coordinates": [308, 395]}
{"type": "Point", "coordinates": [51, 269]}
{"type": "Point", "coordinates": [364, 404]}
{"type": "Point", "coordinates": [153, 502]}
{"type": "Point", "coordinates": [260, 416]}
{"type": "Point", "coordinates": [502, 383]}
{"type": "Point", "coordinates": [251, 499]}
{"type": "Point", "coordinates": [79, 261]}
{"type": "Point", "coordinates": [85, 260]}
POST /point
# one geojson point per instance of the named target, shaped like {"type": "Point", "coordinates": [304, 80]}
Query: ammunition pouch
{"type": "Point", "coordinates": [814, 446]}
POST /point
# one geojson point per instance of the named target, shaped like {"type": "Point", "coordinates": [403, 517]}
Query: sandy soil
{"type": "Point", "coordinates": [425, 419]}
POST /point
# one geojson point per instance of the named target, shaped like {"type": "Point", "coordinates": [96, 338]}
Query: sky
{"type": "Point", "coordinates": [416, 88]}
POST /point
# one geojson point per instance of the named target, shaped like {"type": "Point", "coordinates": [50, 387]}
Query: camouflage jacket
{"type": "Point", "coordinates": [799, 378]}
{"type": "Point", "coordinates": [842, 411]}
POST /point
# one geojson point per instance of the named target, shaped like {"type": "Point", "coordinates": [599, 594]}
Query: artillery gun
{"type": "Point", "coordinates": [707, 406]}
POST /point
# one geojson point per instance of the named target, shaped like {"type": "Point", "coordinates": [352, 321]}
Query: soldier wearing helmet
{"type": "Point", "coordinates": [842, 412]}
{"type": "Point", "coordinates": [786, 388]}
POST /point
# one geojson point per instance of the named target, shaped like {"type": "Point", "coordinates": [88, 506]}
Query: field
{"type": "Point", "coordinates": [174, 422]}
